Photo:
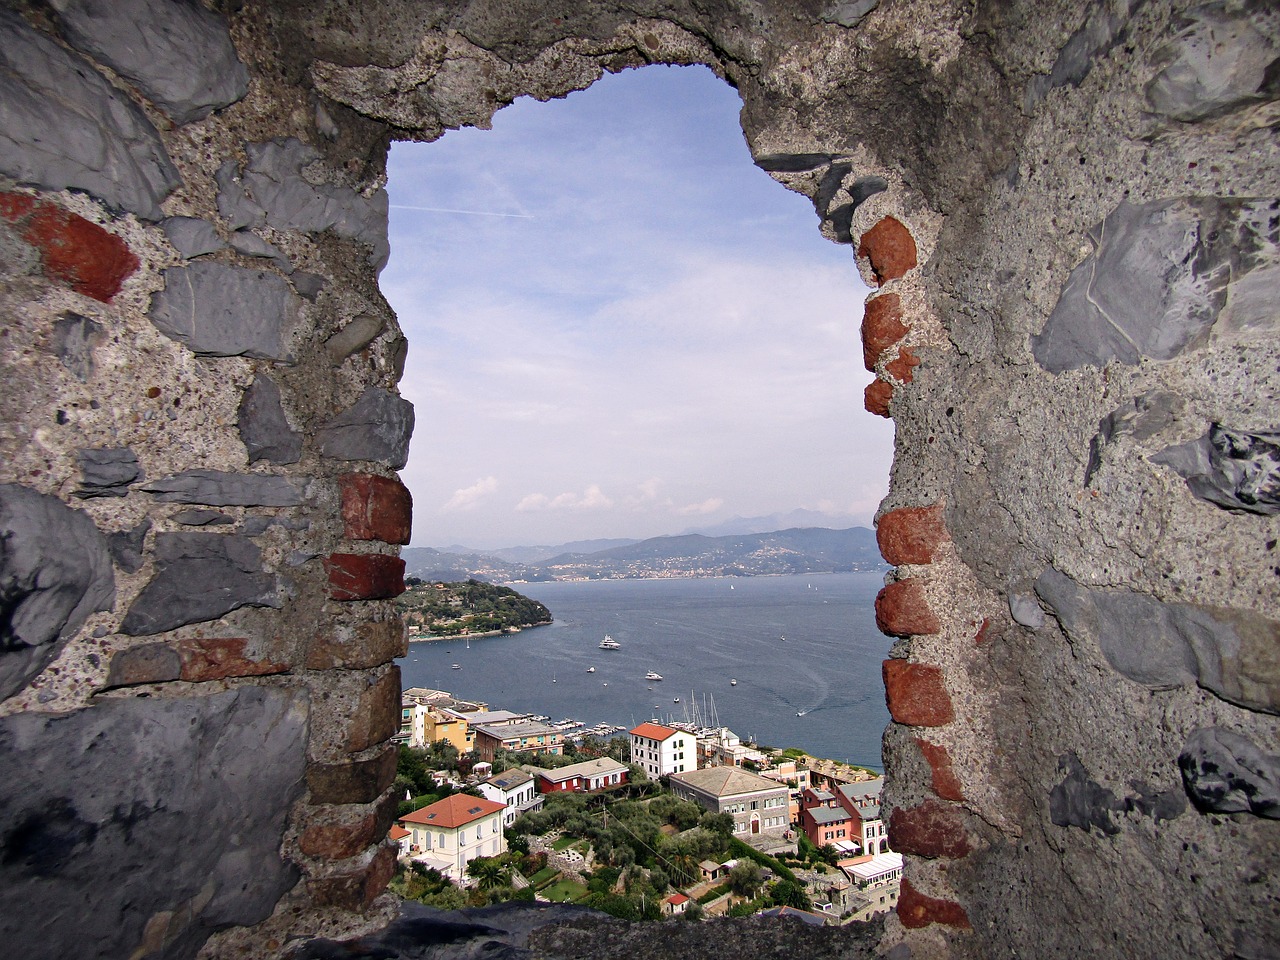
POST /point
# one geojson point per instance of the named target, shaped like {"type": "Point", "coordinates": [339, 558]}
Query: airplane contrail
{"type": "Point", "coordinates": [473, 213]}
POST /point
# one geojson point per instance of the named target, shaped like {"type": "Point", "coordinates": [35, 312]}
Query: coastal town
{"type": "Point", "coordinates": [666, 819]}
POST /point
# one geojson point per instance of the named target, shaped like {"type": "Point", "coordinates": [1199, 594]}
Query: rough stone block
{"type": "Point", "coordinates": [903, 611]}
{"type": "Point", "coordinates": [877, 396]}
{"type": "Point", "coordinates": [792, 162]}
{"type": "Point", "coordinates": [55, 571]}
{"type": "Point", "coordinates": [848, 13]}
{"type": "Point", "coordinates": [882, 327]}
{"type": "Point", "coordinates": [75, 338]}
{"type": "Point", "coordinates": [364, 576]}
{"type": "Point", "coordinates": [1220, 60]}
{"type": "Point", "coordinates": [220, 488]}
{"type": "Point", "coordinates": [145, 771]}
{"type": "Point", "coordinates": [890, 248]}
{"type": "Point", "coordinates": [339, 839]}
{"type": "Point", "coordinates": [191, 236]}
{"type": "Point", "coordinates": [202, 518]}
{"type": "Point", "coordinates": [1234, 469]}
{"type": "Point", "coordinates": [149, 663]}
{"type": "Point", "coordinates": [107, 472]}
{"type": "Point", "coordinates": [200, 577]}
{"type": "Point", "coordinates": [376, 427]}
{"type": "Point", "coordinates": [366, 645]}
{"type": "Point", "coordinates": [1103, 28]}
{"type": "Point", "coordinates": [916, 695]}
{"type": "Point", "coordinates": [272, 190]}
{"type": "Point", "coordinates": [375, 508]}
{"type": "Point", "coordinates": [912, 534]}
{"type": "Point", "coordinates": [264, 428]}
{"type": "Point", "coordinates": [945, 782]}
{"type": "Point", "coordinates": [1229, 652]}
{"type": "Point", "coordinates": [1079, 801]}
{"type": "Point", "coordinates": [1159, 277]}
{"type": "Point", "coordinates": [223, 311]}
{"type": "Point", "coordinates": [1224, 772]}
{"type": "Point", "coordinates": [175, 51]}
{"type": "Point", "coordinates": [126, 547]}
{"type": "Point", "coordinates": [355, 336]}
{"type": "Point", "coordinates": [64, 125]}
{"type": "Point", "coordinates": [916, 910]}
{"type": "Point", "coordinates": [90, 260]}
{"type": "Point", "coordinates": [902, 366]}
{"type": "Point", "coordinates": [931, 829]}
{"type": "Point", "coordinates": [356, 890]}
{"type": "Point", "coordinates": [377, 716]}
{"type": "Point", "coordinates": [357, 781]}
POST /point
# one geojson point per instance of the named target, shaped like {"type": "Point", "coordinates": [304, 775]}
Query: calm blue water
{"type": "Point", "coordinates": [698, 634]}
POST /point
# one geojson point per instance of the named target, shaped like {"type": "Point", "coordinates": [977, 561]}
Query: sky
{"type": "Point", "coordinates": [620, 327]}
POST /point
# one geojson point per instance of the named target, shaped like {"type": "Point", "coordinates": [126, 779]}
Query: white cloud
{"type": "Point", "coordinates": [592, 498]}
{"type": "Point", "coordinates": [468, 498]}
{"type": "Point", "coordinates": [710, 505]}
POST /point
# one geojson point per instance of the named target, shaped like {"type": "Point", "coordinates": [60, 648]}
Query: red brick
{"type": "Point", "coordinates": [366, 645]}
{"type": "Point", "coordinates": [916, 695]}
{"type": "Point", "coordinates": [890, 248]}
{"type": "Point", "coordinates": [900, 367]}
{"type": "Point", "coordinates": [75, 251]}
{"type": "Point", "coordinates": [882, 327]}
{"type": "Point", "coordinates": [356, 781]}
{"type": "Point", "coordinates": [357, 889]}
{"type": "Point", "coordinates": [364, 576]}
{"type": "Point", "coordinates": [902, 611]}
{"type": "Point", "coordinates": [917, 910]}
{"type": "Point", "coordinates": [377, 716]}
{"type": "Point", "coordinates": [945, 783]}
{"type": "Point", "coordinates": [911, 535]}
{"type": "Point", "coordinates": [375, 508]}
{"type": "Point", "coordinates": [217, 658]}
{"type": "Point", "coordinates": [877, 396]}
{"type": "Point", "coordinates": [932, 829]}
{"type": "Point", "coordinates": [985, 632]}
{"type": "Point", "coordinates": [339, 840]}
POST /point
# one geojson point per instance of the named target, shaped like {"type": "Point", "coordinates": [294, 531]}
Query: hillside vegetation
{"type": "Point", "coordinates": [452, 609]}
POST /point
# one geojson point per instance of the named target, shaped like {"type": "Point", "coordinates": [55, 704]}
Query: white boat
{"type": "Point", "coordinates": [591, 669]}
{"type": "Point", "coordinates": [456, 666]}
{"type": "Point", "coordinates": [608, 643]}
{"type": "Point", "coordinates": [733, 683]}
{"type": "Point", "coordinates": [651, 675]}
{"type": "Point", "coordinates": [676, 700]}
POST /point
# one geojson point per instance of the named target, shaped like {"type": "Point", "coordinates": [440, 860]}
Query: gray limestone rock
{"type": "Point", "coordinates": [376, 427]}
{"type": "Point", "coordinates": [1079, 801]}
{"type": "Point", "coordinates": [1224, 772]}
{"type": "Point", "coordinates": [264, 428]}
{"type": "Point", "coordinates": [223, 311]}
{"type": "Point", "coordinates": [74, 339]}
{"type": "Point", "coordinates": [1230, 653]}
{"type": "Point", "coordinates": [200, 577]}
{"type": "Point", "coordinates": [252, 245]}
{"type": "Point", "coordinates": [126, 547]}
{"type": "Point", "coordinates": [1157, 280]}
{"type": "Point", "coordinates": [62, 125]}
{"type": "Point", "coordinates": [1236, 470]}
{"type": "Point", "coordinates": [202, 518]}
{"type": "Point", "coordinates": [54, 571]}
{"type": "Point", "coordinates": [792, 162]}
{"type": "Point", "coordinates": [106, 471]}
{"type": "Point", "coordinates": [848, 13]}
{"type": "Point", "coordinates": [272, 189]}
{"type": "Point", "coordinates": [1155, 803]}
{"type": "Point", "coordinates": [99, 826]}
{"type": "Point", "coordinates": [356, 335]}
{"type": "Point", "coordinates": [221, 488]}
{"type": "Point", "coordinates": [175, 51]}
{"type": "Point", "coordinates": [1221, 59]}
{"type": "Point", "coordinates": [191, 236]}
{"type": "Point", "coordinates": [830, 185]}
{"type": "Point", "coordinates": [308, 285]}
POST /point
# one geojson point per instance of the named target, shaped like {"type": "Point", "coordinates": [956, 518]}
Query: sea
{"type": "Point", "coordinates": [804, 650]}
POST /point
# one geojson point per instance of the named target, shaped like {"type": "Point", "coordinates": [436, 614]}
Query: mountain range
{"type": "Point", "coordinates": [794, 550]}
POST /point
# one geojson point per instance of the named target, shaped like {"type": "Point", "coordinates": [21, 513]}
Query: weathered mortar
{"type": "Point", "coordinates": [1069, 220]}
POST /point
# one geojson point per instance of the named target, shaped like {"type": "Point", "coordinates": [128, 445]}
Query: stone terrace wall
{"type": "Point", "coordinates": [1069, 217]}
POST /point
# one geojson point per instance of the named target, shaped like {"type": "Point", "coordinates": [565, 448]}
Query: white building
{"type": "Point", "coordinates": [516, 789]}
{"type": "Point", "coordinates": [660, 750]}
{"type": "Point", "coordinates": [450, 833]}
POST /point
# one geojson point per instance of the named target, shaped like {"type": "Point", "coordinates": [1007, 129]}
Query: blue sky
{"type": "Point", "coordinates": [620, 327]}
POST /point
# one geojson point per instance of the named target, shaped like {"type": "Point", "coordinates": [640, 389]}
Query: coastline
{"type": "Point", "coordinates": [420, 638]}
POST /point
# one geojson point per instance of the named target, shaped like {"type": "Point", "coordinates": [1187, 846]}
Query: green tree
{"type": "Point", "coordinates": [720, 823]}
{"type": "Point", "coordinates": [786, 893]}
{"type": "Point", "coordinates": [489, 872]}
{"type": "Point", "coordinates": [745, 879]}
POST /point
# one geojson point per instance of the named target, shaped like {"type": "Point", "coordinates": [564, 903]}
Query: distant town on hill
{"type": "Point", "coordinates": [794, 551]}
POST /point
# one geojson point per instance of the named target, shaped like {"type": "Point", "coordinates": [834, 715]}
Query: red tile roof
{"type": "Point", "coordinates": [455, 811]}
{"type": "Point", "coordinates": [397, 833]}
{"type": "Point", "coordinates": [676, 899]}
{"type": "Point", "coordinates": [654, 731]}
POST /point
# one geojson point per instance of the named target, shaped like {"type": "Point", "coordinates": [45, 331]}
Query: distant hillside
{"type": "Point", "coordinates": [797, 550]}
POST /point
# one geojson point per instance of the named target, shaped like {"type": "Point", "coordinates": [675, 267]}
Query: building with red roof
{"type": "Point", "coordinates": [450, 833]}
{"type": "Point", "coordinates": [660, 750]}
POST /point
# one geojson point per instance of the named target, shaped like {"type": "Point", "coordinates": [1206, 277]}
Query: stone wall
{"type": "Point", "coordinates": [1070, 222]}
